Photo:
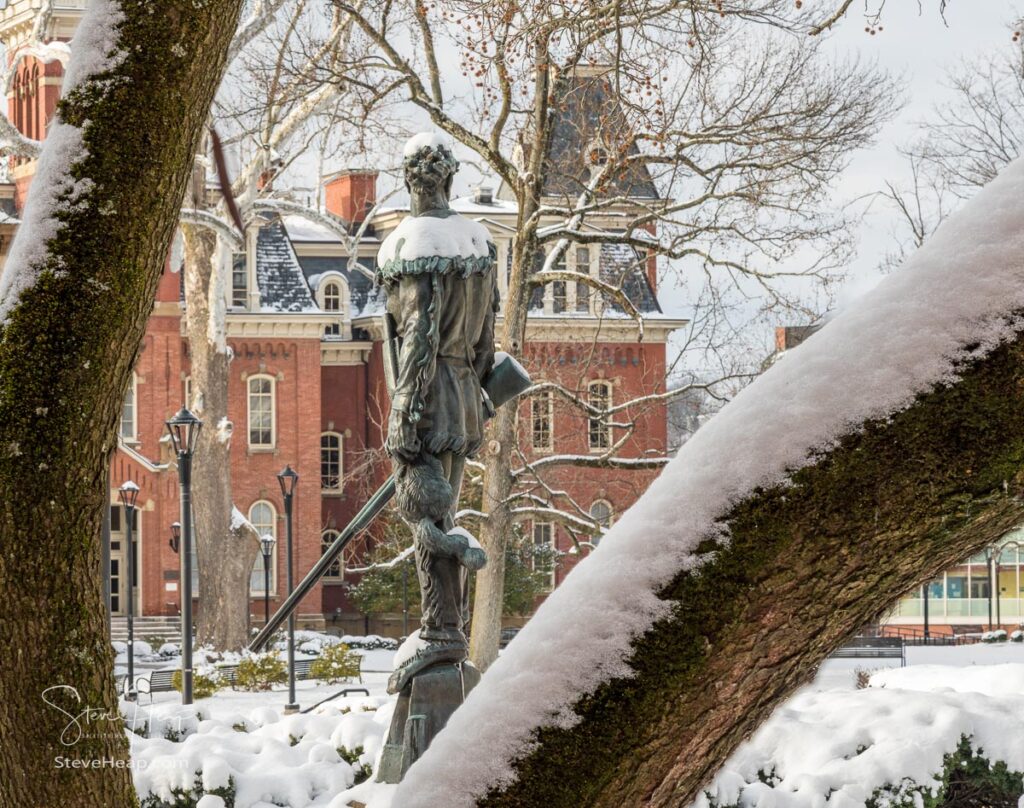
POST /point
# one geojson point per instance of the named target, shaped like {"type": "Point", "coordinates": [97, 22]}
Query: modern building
{"type": "Point", "coordinates": [306, 388]}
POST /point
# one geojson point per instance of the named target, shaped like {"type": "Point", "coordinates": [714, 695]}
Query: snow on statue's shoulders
{"type": "Point", "coordinates": [430, 237]}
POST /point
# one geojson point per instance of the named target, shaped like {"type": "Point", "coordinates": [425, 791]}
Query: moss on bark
{"type": "Point", "coordinates": [66, 356]}
{"type": "Point", "coordinates": [807, 565]}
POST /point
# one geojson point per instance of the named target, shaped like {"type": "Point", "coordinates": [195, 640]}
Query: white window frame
{"type": "Point", "coordinates": [327, 538]}
{"type": "Point", "coordinates": [535, 400]}
{"type": "Point", "coordinates": [341, 312]}
{"type": "Point", "coordinates": [606, 383]}
{"type": "Point", "coordinates": [273, 411]}
{"type": "Point", "coordinates": [551, 542]}
{"type": "Point", "coordinates": [583, 270]}
{"type": "Point", "coordinates": [234, 291]}
{"type": "Point", "coordinates": [611, 517]}
{"type": "Point", "coordinates": [257, 591]}
{"type": "Point", "coordinates": [341, 461]}
{"type": "Point", "coordinates": [133, 393]}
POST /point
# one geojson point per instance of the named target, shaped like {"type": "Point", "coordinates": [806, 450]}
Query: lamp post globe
{"type": "Point", "coordinates": [175, 541]}
{"type": "Point", "coordinates": [287, 478]}
{"type": "Point", "coordinates": [267, 543]}
{"type": "Point", "coordinates": [129, 493]}
{"type": "Point", "coordinates": [184, 430]}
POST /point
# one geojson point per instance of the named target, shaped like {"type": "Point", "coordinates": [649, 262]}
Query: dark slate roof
{"type": "Point", "coordinates": [589, 114]}
{"type": "Point", "coordinates": [283, 286]}
{"type": "Point", "coordinates": [360, 287]}
{"type": "Point", "coordinates": [620, 265]}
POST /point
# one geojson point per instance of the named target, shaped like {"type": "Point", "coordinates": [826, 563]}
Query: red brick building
{"type": "Point", "coordinates": [306, 385]}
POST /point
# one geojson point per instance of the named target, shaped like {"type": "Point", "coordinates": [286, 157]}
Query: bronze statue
{"type": "Point", "coordinates": [438, 270]}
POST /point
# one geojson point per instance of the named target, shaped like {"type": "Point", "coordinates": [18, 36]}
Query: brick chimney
{"type": "Point", "coordinates": [351, 193]}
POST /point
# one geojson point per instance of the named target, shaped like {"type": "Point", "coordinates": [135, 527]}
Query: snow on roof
{"type": "Point", "coordinates": [301, 229]}
{"type": "Point", "coordinates": [960, 291]}
{"type": "Point", "coordinates": [427, 237]}
{"type": "Point", "coordinates": [423, 140]}
{"type": "Point", "coordinates": [467, 204]}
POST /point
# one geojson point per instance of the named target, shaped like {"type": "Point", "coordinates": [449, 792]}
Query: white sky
{"type": "Point", "coordinates": [920, 47]}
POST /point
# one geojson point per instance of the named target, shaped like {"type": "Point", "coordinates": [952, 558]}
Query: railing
{"type": "Point", "coordinates": [916, 636]}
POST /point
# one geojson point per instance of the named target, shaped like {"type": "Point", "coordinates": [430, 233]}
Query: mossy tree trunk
{"type": "Point", "coordinates": [808, 564]}
{"type": "Point", "coordinates": [66, 355]}
{"type": "Point", "coordinates": [226, 555]}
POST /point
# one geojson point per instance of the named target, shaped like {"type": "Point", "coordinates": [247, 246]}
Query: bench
{"type": "Point", "coordinates": [150, 682]}
{"type": "Point", "coordinates": [873, 648]}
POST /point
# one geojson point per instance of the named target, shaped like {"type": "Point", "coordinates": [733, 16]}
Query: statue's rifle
{"type": "Point", "coordinates": [505, 382]}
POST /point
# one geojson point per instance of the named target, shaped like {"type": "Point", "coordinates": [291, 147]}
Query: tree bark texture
{"type": "Point", "coordinates": [67, 351]}
{"type": "Point", "coordinates": [225, 556]}
{"type": "Point", "coordinates": [808, 564]}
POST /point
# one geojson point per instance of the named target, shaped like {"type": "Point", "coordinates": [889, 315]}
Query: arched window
{"type": "Point", "coordinates": [261, 412]}
{"type": "Point", "coordinates": [332, 295]}
{"type": "Point", "coordinates": [601, 512]}
{"type": "Point", "coordinates": [330, 461]}
{"type": "Point", "coordinates": [336, 570]}
{"type": "Point", "coordinates": [129, 413]}
{"type": "Point", "coordinates": [263, 516]}
{"type": "Point", "coordinates": [599, 433]}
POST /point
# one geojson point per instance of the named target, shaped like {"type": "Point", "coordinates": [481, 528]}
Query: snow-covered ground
{"type": "Point", "coordinates": [830, 746]}
{"type": "Point", "coordinates": [834, 746]}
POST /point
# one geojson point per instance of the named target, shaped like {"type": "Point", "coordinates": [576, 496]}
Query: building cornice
{"type": "Point", "coordinates": [594, 329]}
{"type": "Point", "coordinates": [335, 353]}
{"type": "Point", "coordinates": [568, 329]}
{"type": "Point", "coordinates": [306, 325]}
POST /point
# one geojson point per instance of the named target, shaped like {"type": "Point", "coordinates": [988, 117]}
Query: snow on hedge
{"type": "Point", "coordinates": [53, 189]}
{"type": "Point", "coordinates": [903, 338]}
{"type": "Point", "coordinates": [259, 757]}
{"type": "Point", "coordinates": [838, 748]}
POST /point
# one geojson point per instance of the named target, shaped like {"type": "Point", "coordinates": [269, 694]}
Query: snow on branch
{"type": "Point", "coordinates": [211, 221]}
{"type": "Point", "coordinates": [53, 189]}
{"type": "Point", "coordinates": [954, 301]}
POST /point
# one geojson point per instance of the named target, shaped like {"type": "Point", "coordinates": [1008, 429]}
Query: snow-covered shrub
{"type": "Point", "coordinates": [1017, 636]}
{"type": "Point", "coordinates": [967, 778]}
{"type": "Point", "coordinates": [169, 649]}
{"type": "Point", "coordinates": [994, 636]}
{"type": "Point", "coordinates": [204, 685]}
{"type": "Point", "coordinates": [260, 672]}
{"type": "Point", "coordinates": [191, 797]}
{"type": "Point", "coordinates": [336, 664]}
{"type": "Point", "coordinates": [371, 642]}
{"type": "Point", "coordinates": [363, 769]}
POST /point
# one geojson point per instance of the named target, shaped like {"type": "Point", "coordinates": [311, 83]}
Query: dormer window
{"type": "Point", "coordinates": [332, 295]}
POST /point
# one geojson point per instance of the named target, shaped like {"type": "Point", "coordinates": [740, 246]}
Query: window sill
{"type": "Point", "coordinates": [262, 450]}
{"type": "Point", "coordinates": [331, 581]}
{"type": "Point", "coordinates": [336, 493]}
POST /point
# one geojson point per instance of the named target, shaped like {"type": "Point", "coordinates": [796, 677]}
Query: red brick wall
{"type": "Point", "coordinates": [634, 369]}
{"type": "Point", "coordinates": [295, 365]}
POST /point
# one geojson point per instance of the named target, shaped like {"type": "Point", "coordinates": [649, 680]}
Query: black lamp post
{"type": "Point", "coordinates": [267, 549]}
{"type": "Point", "coordinates": [927, 628]}
{"type": "Point", "coordinates": [288, 478]}
{"type": "Point", "coordinates": [184, 428]}
{"type": "Point", "coordinates": [129, 495]}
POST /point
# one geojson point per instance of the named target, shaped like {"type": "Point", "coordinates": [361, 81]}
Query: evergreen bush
{"type": "Point", "coordinates": [336, 664]}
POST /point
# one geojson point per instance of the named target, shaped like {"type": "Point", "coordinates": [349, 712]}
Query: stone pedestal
{"type": "Point", "coordinates": [424, 706]}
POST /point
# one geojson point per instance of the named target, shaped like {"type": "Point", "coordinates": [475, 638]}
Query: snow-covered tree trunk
{"type": "Point", "coordinates": [75, 296]}
{"type": "Point", "coordinates": [226, 554]}
{"type": "Point", "coordinates": [883, 450]}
